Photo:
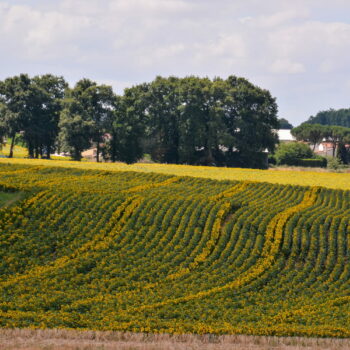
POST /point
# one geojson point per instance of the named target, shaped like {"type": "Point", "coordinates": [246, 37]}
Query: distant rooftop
{"type": "Point", "coordinates": [285, 135]}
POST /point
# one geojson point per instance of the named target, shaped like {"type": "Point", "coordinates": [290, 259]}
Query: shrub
{"type": "Point", "coordinates": [334, 163]}
{"type": "Point", "coordinates": [292, 153]}
{"type": "Point", "coordinates": [319, 162]}
{"type": "Point", "coordinates": [272, 159]}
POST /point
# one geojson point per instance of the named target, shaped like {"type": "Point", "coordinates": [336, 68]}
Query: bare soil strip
{"type": "Point", "coordinates": [28, 339]}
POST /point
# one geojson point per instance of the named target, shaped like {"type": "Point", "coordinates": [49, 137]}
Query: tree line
{"type": "Point", "coordinates": [314, 134]}
{"type": "Point", "coordinates": [339, 117]}
{"type": "Point", "coordinates": [191, 120]}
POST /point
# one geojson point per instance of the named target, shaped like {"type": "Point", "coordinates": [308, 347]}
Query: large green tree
{"type": "Point", "coordinates": [251, 117]}
{"type": "Point", "coordinates": [85, 117]}
{"type": "Point", "coordinates": [312, 133]}
{"type": "Point", "coordinates": [32, 107]}
{"type": "Point", "coordinates": [99, 102]}
{"type": "Point", "coordinates": [163, 99]}
{"type": "Point", "coordinates": [133, 123]}
{"type": "Point", "coordinates": [201, 121]}
{"type": "Point", "coordinates": [343, 147]}
{"type": "Point", "coordinates": [127, 130]}
{"type": "Point", "coordinates": [43, 126]}
{"type": "Point", "coordinates": [75, 124]}
{"type": "Point", "coordinates": [337, 135]}
{"type": "Point", "coordinates": [75, 131]}
{"type": "Point", "coordinates": [17, 99]}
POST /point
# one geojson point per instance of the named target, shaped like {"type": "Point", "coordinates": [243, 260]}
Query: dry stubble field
{"type": "Point", "coordinates": [26, 339]}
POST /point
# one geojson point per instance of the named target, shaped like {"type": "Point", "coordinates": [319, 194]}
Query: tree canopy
{"type": "Point", "coordinates": [314, 134]}
{"type": "Point", "coordinates": [85, 116]}
{"type": "Point", "coordinates": [284, 124]}
{"type": "Point", "coordinates": [191, 120]}
{"type": "Point", "coordinates": [201, 121]}
{"type": "Point", "coordinates": [339, 117]}
{"type": "Point", "coordinates": [32, 106]}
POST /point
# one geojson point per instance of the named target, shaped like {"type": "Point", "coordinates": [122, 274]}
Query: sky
{"type": "Point", "coordinates": [299, 50]}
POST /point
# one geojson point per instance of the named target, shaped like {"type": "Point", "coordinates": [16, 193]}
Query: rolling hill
{"type": "Point", "coordinates": [149, 252]}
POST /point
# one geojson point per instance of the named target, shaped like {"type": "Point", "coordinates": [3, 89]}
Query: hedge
{"type": "Point", "coordinates": [311, 162]}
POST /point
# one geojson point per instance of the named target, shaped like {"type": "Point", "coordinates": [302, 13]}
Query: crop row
{"type": "Point", "coordinates": [156, 253]}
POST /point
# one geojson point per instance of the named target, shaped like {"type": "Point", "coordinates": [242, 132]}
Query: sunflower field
{"type": "Point", "coordinates": [145, 251]}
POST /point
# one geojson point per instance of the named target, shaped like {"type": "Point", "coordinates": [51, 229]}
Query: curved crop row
{"type": "Point", "coordinates": [147, 252]}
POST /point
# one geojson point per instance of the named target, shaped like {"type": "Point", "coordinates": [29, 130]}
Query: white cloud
{"type": "Point", "coordinates": [155, 55]}
{"type": "Point", "coordinates": [145, 7]}
{"type": "Point", "coordinates": [286, 47]}
{"type": "Point", "coordinates": [231, 46]}
{"type": "Point", "coordinates": [39, 35]}
{"type": "Point", "coordinates": [285, 66]}
{"type": "Point", "coordinates": [327, 66]}
{"type": "Point", "coordinates": [86, 7]}
{"type": "Point", "coordinates": [276, 19]}
{"type": "Point", "coordinates": [245, 20]}
{"type": "Point", "coordinates": [347, 84]}
{"type": "Point", "coordinates": [310, 36]}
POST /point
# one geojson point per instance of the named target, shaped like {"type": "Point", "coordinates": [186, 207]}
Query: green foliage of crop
{"type": "Point", "coordinates": [5, 197]}
{"type": "Point", "coordinates": [9, 198]}
{"type": "Point", "coordinates": [147, 252]}
{"type": "Point", "coordinates": [18, 151]}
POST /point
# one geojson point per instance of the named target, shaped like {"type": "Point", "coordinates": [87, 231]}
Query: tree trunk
{"type": "Point", "coordinates": [334, 149]}
{"type": "Point", "coordinates": [176, 144]}
{"type": "Point", "coordinates": [342, 153]}
{"type": "Point", "coordinates": [209, 160]}
{"type": "Point", "coordinates": [98, 151]}
{"type": "Point", "coordinates": [12, 145]}
{"type": "Point", "coordinates": [208, 142]}
{"type": "Point", "coordinates": [48, 151]}
{"type": "Point", "coordinates": [113, 148]}
{"type": "Point", "coordinates": [177, 157]}
{"type": "Point", "coordinates": [30, 151]}
{"type": "Point", "coordinates": [77, 155]}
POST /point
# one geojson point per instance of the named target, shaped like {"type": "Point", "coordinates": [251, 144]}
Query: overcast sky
{"type": "Point", "coordinates": [299, 50]}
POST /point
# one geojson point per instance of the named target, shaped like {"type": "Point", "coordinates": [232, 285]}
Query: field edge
{"type": "Point", "coordinates": [38, 339]}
